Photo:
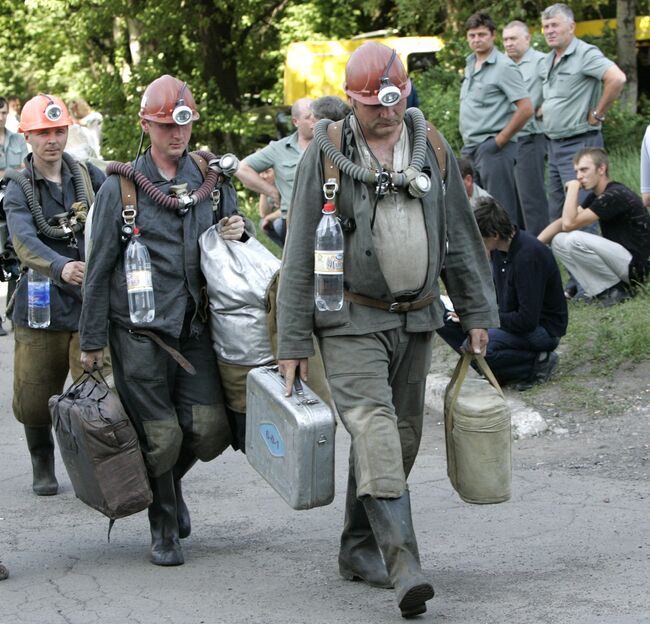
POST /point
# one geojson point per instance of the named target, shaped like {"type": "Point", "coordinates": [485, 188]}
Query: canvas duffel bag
{"type": "Point", "coordinates": [478, 436]}
{"type": "Point", "coordinates": [99, 447]}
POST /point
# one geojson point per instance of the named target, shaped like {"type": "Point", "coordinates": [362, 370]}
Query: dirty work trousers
{"type": "Point", "coordinates": [169, 407]}
{"type": "Point", "coordinates": [377, 382]}
{"type": "Point", "coordinates": [42, 360]}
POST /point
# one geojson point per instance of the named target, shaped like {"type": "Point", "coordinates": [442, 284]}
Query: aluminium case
{"type": "Point", "coordinates": [290, 440]}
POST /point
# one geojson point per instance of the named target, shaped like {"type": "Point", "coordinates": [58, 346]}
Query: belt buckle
{"type": "Point", "coordinates": [395, 306]}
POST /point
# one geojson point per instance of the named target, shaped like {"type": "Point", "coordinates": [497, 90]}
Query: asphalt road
{"type": "Point", "coordinates": [572, 546]}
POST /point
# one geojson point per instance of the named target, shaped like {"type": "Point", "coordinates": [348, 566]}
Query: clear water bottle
{"type": "Point", "coordinates": [328, 262]}
{"type": "Point", "coordinates": [38, 300]}
{"type": "Point", "coordinates": [137, 265]}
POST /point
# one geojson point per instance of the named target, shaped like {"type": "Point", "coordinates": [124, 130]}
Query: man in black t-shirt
{"type": "Point", "coordinates": [608, 265]}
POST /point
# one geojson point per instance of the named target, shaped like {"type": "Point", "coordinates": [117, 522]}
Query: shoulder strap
{"type": "Point", "coordinates": [127, 189]}
{"type": "Point", "coordinates": [330, 170]}
{"type": "Point", "coordinates": [201, 163]}
{"type": "Point", "coordinates": [435, 139]}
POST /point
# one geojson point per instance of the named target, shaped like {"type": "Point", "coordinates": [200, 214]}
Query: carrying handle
{"type": "Point", "coordinates": [81, 381]}
{"type": "Point", "coordinates": [457, 379]}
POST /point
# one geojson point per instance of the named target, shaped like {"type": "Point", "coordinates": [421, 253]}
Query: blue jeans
{"type": "Point", "coordinates": [278, 232]}
{"type": "Point", "coordinates": [510, 356]}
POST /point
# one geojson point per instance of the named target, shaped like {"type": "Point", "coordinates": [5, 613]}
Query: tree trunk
{"type": "Point", "coordinates": [626, 49]}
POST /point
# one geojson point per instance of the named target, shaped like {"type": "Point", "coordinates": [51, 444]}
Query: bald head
{"type": "Point", "coordinates": [302, 118]}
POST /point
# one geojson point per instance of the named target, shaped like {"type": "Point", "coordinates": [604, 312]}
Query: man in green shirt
{"type": "Point", "coordinates": [531, 142]}
{"type": "Point", "coordinates": [580, 87]}
{"type": "Point", "coordinates": [282, 156]}
{"type": "Point", "coordinates": [494, 106]}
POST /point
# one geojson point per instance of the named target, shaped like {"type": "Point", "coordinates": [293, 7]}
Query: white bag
{"type": "Point", "coordinates": [238, 275]}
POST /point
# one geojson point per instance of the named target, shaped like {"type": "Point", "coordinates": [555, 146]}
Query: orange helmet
{"type": "Point", "coordinates": [374, 74]}
{"type": "Point", "coordinates": [168, 100]}
{"type": "Point", "coordinates": [44, 111]}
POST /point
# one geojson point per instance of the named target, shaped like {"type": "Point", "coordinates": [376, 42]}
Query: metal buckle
{"type": "Point", "coordinates": [128, 214]}
{"type": "Point", "coordinates": [395, 306]}
{"type": "Point", "coordinates": [330, 189]}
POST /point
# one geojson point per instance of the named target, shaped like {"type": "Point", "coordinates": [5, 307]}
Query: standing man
{"type": "Point", "coordinates": [13, 151]}
{"type": "Point", "coordinates": [580, 86]}
{"type": "Point", "coordinates": [53, 245]}
{"type": "Point", "coordinates": [494, 106]}
{"type": "Point", "coordinates": [283, 157]}
{"type": "Point", "coordinates": [608, 265]}
{"type": "Point", "coordinates": [531, 142]}
{"type": "Point", "coordinates": [377, 347]}
{"type": "Point", "coordinates": [165, 371]}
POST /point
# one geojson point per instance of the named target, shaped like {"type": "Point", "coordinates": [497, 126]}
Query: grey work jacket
{"type": "Point", "coordinates": [456, 253]}
{"type": "Point", "coordinates": [47, 255]}
{"type": "Point", "coordinates": [173, 245]}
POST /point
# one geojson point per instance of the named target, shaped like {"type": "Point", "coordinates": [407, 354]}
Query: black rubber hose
{"type": "Point", "coordinates": [37, 212]}
{"type": "Point", "coordinates": [173, 203]}
{"type": "Point", "coordinates": [77, 179]}
{"type": "Point", "coordinates": [361, 174]}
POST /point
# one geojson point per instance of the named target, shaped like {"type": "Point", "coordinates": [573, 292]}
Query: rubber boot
{"type": "Point", "coordinates": [360, 557]}
{"type": "Point", "coordinates": [165, 544]}
{"type": "Point", "coordinates": [186, 460]}
{"type": "Point", "coordinates": [41, 448]}
{"type": "Point", "coordinates": [391, 523]}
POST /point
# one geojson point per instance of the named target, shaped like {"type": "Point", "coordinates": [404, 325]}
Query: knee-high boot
{"type": "Point", "coordinates": [185, 461]}
{"type": "Point", "coordinates": [359, 556]}
{"type": "Point", "coordinates": [41, 448]}
{"type": "Point", "coordinates": [165, 544]}
{"type": "Point", "coordinates": [392, 525]}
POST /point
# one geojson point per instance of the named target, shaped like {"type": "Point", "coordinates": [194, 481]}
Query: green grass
{"type": "Point", "coordinates": [624, 167]}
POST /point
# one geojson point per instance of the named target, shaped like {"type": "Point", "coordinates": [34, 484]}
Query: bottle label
{"type": "Point", "coordinates": [38, 294]}
{"type": "Point", "coordinates": [329, 262]}
{"type": "Point", "coordinates": [138, 281]}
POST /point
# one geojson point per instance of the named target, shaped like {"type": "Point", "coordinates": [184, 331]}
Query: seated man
{"type": "Point", "coordinates": [474, 191]}
{"type": "Point", "coordinates": [532, 309]}
{"type": "Point", "coordinates": [606, 266]}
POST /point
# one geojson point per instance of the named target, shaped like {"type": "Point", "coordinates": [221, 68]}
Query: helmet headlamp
{"type": "Point", "coordinates": [53, 111]}
{"type": "Point", "coordinates": [182, 114]}
{"type": "Point", "coordinates": [388, 94]}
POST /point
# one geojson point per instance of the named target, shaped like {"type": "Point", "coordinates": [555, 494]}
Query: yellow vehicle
{"type": "Point", "coordinates": [317, 68]}
{"type": "Point", "coordinates": [594, 28]}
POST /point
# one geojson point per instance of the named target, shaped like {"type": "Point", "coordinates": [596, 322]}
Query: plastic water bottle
{"type": "Point", "coordinates": [328, 262]}
{"type": "Point", "coordinates": [38, 300]}
{"type": "Point", "coordinates": [137, 265]}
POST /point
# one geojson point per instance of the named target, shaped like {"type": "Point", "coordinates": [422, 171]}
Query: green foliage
{"type": "Point", "coordinates": [623, 129]}
{"type": "Point", "coordinates": [624, 167]}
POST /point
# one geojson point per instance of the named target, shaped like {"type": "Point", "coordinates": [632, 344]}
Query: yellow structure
{"type": "Point", "coordinates": [594, 28]}
{"type": "Point", "coordinates": [317, 68]}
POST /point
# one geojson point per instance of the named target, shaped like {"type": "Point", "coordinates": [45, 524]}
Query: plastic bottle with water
{"type": "Point", "coordinates": [38, 300]}
{"type": "Point", "coordinates": [137, 265]}
{"type": "Point", "coordinates": [328, 262]}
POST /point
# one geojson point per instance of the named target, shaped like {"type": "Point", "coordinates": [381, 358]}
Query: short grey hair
{"type": "Point", "coordinates": [329, 107]}
{"type": "Point", "coordinates": [558, 9]}
{"type": "Point", "coordinates": [518, 24]}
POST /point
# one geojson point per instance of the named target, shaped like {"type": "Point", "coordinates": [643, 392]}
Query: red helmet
{"type": "Point", "coordinates": [44, 111]}
{"type": "Point", "coordinates": [374, 74]}
{"type": "Point", "coordinates": [168, 100]}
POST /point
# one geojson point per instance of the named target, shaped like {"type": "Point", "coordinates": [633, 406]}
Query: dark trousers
{"type": "Point", "coordinates": [169, 407]}
{"type": "Point", "coordinates": [277, 232]}
{"type": "Point", "coordinates": [510, 356]}
{"type": "Point", "coordinates": [495, 172]}
{"type": "Point", "coordinates": [529, 175]}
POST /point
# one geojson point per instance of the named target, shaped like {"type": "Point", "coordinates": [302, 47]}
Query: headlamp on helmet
{"type": "Point", "coordinates": [388, 94]}
{"type": "Point", "coordinates": [53, 111]}
{"type": "Point", "coordinates": [182, 114]}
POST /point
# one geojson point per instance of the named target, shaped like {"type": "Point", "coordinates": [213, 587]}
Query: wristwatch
{"type": "Point", "coordinates": [598, 117]}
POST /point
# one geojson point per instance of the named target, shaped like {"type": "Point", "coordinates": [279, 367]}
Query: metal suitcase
{"type": "Point", "coordinates": [290, 440]}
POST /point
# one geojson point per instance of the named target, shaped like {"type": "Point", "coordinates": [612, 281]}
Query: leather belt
{"type": "Point", "coordinates": [395, 306]}
{"type": "Point", "coordinates": [163, 345]}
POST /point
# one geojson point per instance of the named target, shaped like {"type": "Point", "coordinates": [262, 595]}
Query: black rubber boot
{"type": "Point", "coordinates": [41, 448]}
{"type": "Point", "coordinates": [391, 523]}
{"type": "Point", "coordinates": [186, 460]}
{"type": "Point", "coordinates": [360, 557]}
{"type": "Point", "coordinates": [165, 544]}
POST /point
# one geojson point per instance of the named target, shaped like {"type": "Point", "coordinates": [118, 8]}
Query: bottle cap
{"type": "Point", "coordinates": [329, 208]}
{"type": "Point", "coordinates": [136, 231]}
